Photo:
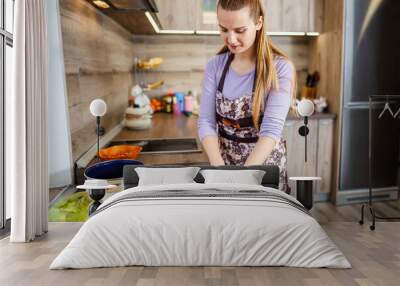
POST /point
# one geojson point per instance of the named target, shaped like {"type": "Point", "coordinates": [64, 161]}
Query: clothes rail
{"type": "Point", "coordinates": [373, 98]}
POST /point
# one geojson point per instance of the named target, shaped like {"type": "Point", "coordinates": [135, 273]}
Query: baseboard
{"type": "Point", "coordinates": [361, 195]}
{"type": "Point", "coordinates": [321, 197]}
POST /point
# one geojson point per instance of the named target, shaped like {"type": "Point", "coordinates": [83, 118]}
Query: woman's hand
{"type": "Point", "coordinates": [261, 151]}
{"type": "Point", "coordinates": [211, 146]}
{"type": "Point", "coordinates": [217, 162]}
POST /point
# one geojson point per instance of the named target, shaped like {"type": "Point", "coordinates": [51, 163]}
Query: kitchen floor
{"type": "Point", "coordinates": [374, 255]}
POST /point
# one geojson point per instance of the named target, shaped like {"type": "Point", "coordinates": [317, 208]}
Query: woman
{"type": "Point", "coordinates": [247, 91]}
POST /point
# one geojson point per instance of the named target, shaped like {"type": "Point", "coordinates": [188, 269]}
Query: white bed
{"type": "Point", "coordinates": [258, 226]}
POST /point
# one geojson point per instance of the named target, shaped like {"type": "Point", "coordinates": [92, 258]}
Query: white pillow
{"type": "Point", "coordinates": [163, 176]}
{"type": "Point", "coordinates": [249, 177]}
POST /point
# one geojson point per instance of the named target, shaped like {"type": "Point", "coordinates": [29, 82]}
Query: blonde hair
{"type": "Point", "coordinates": [266, 74]}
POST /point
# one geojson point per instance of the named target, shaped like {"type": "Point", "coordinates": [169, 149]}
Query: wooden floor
{"type": "Point", "coordinates": [374, 255]}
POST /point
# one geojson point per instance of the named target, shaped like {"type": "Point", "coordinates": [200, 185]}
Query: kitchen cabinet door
{"type": "Point", "coordinates": [281, 15]}
{"type": "Point", "coordinates": [316, 12]}
{"type": "Point", "coordinates": [206, 15]}
{"type": "Point", "coordinates": [324, 155]}
{"type": "Point", "coordinates": [296, 165]}
{"type": "Point", "coordinates": [273, 10]}
{"type": "Point", "coordinates": [207, 18]}
{"type": "Point", "coordinates": [295, 15]}
{"type": "Point", "coordinates": [177, 14]}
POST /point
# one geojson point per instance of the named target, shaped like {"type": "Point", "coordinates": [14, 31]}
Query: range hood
{"type": "Point", "coordinates": [132, 5]}
{"type": "Point", "coordinates": [130, 14]}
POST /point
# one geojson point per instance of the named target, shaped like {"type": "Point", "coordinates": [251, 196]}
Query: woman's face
{"type": "Point", "coordinates": [238, 29]}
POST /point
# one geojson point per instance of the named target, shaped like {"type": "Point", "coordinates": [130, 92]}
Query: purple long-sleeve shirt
{"type": "Point", "coordinates": [276, 104]}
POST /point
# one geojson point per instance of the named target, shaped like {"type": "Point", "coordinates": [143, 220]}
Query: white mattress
{"type": "Point", "coordinates": [202, 231]}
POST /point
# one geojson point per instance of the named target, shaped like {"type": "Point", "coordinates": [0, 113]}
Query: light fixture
{"type": "Point", "coordinates": [305, 108]}
{"type": "Point", "coordinates": [101, 4]}
{"type": "Point", "coordinates": [286, 33]}
{"type": "Point", "coordinates": [207, 32]}
{"type": "Point", "coordinates": [211, 32]}
{"type": "Point", "coordinates": [174, 32]}
{"type": "Point", "coordinates": [98, 108]}
{"type": "Point", "coordinates": [275, 34]}
{"type": "Point", "coordinates": [152, 22]}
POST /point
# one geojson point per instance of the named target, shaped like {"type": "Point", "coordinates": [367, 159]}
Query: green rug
{"type": "Point", "coordinates": [74, 207]}
{"type": "Point", "coordinates": [71, 208]}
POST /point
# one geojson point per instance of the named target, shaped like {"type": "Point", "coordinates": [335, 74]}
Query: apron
{"type": "Point", "coordinates": [237, 134]}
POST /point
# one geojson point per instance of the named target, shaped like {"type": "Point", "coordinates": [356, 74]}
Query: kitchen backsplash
{"type": "Point", "coordinates": [186, 56]}
{"type": "Point", "coordinates": [98, 55]}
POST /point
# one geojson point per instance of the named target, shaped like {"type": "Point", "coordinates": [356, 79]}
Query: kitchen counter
{"type": "Point", "coordinates": [166, 125]}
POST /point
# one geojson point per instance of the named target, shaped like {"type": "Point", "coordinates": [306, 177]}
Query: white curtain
{"type": "Point", "coordinates": [26, 143]}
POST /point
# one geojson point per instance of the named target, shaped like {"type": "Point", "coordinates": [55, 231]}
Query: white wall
{"type": "Point", "coordinates": [60, 155]}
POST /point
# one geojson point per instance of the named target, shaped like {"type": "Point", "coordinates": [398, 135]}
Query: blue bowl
{"type": "Point", "coordinates": [109, 170]}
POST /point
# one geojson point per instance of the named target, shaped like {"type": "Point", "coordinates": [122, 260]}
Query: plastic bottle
{"type": "Point", "coordinates": [196, 104]}
{"type": "Point", "coordinates": [168, 103]}
{"type": "Point", "coordinates": [188, 106]}
{"type": "Point", "coordinates": [180, 97]}
{"type": "Point", "coordinates": [176, 106]}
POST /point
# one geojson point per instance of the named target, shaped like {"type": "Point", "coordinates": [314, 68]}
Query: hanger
{"type": "Point", "coordinates": [387, 107]}
{"type": "Point", "coordinates": [397, 113]}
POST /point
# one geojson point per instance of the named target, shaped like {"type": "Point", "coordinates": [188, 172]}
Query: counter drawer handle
{"type": "Point", "coordinates": [325, 122]}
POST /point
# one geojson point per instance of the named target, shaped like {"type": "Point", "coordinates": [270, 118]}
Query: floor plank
{"type": "Point", "coordinates": [374, 255]}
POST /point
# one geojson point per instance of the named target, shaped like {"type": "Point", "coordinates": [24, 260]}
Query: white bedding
{"type": "Point", "coordinates": [183, 231]}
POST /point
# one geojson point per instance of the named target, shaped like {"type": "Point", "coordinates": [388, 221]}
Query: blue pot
{"type": "Point", "coordinates": [109, 170]}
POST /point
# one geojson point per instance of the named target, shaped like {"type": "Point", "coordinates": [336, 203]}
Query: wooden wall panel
{"type": "Point", "coordinates": [93, 42]}
{"type": "Point", "coordinates": [99, 56]}
{"type": "Point", "coordinates": [326, 57]}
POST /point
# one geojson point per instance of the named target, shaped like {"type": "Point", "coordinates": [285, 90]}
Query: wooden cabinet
{"type": "Point", "coordinates": [206, 20]}
{"type": "Point", "coordinates": [295, 149]}
{"type": "Point", "coordinates": [319, 153]}
{"type": "Point", "coordinates": [273, 17]}
{"type": "Point", "coordinates": [294, 15]}
{"type": "Point", "coordinates": [287, 15]}
{"type": "Point", "coordinates": [316, 15]}
{"type": "Point", "coordinates": [281, 15]}
{"type": "Point", "coordinates": [324, 155]}
{"type": "Point", "coordinates": [177, 14]}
